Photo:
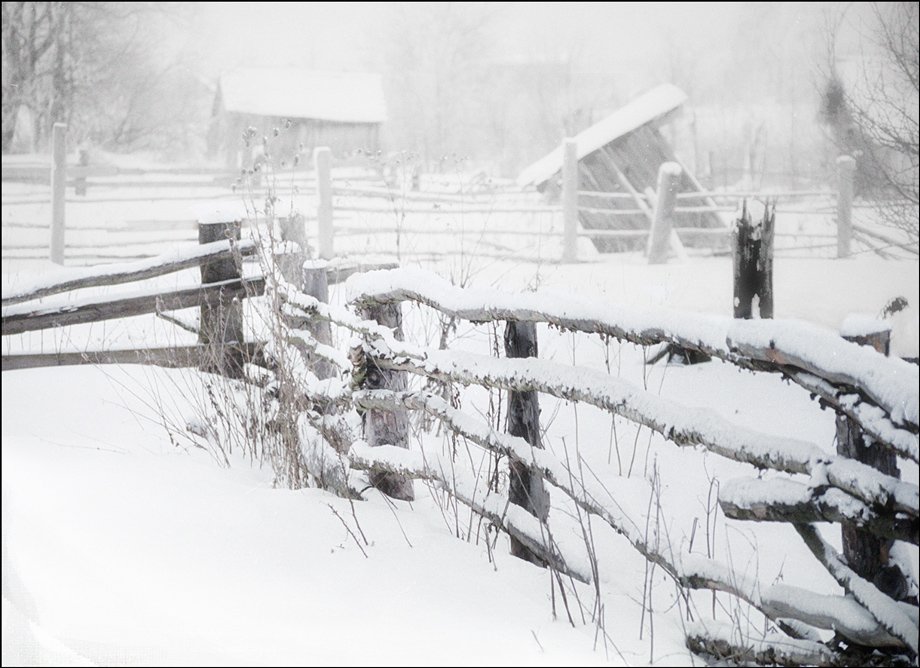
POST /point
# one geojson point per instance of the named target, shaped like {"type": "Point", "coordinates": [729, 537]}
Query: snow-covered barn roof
{"type": "Point", "coordinates": [346, 97]}
{"type": "Point", "coordinates": [646, 108]}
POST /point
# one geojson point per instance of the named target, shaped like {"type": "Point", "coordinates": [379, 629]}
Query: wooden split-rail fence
{"type": "Point", "coordinates": [874, 396]}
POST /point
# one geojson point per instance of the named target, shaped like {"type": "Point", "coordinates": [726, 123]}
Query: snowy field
{"type": "Point", "coordinates": [120, 547]}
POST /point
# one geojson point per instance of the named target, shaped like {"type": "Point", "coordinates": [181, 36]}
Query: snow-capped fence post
{"type": "Point", "coordinates": [58, 183]}
{"type": "Point", "coordinates": [569, 200]}
{"type": "Point", "coordinates": [526, 487]}
{"type": "Point", "coordinates": [387, 427]}
{"type": "Point", "coordinates": [752, 262]}
{"type": "Point", "coordinates": [865, 552]}
{"type": "Point", "coordinates": [315, 282]}
{"type": "Point", "coordinates": [322, 160]}
{"type": "Point", "coordinates": [846, 170]}
{"type": "Point", "coordinates": [221, 324]}
{"type": "Point", "coordinates": [659, 239]}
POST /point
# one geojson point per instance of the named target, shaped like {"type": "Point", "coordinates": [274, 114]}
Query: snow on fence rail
{"type": "Point", "coordinates": [840, 489]}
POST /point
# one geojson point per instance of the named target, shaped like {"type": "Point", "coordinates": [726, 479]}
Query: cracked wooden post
{"type": "Point", "coordinates": [322, 160]}
{"type": "Point", "coordinates": [315, 282]}
{"type": "Point", "coordinates": [221, 321]}
{"type": "Point", "coordinates": [752, 260]}
{"type": "Point", "coordinates": [846, 171]}
{"type": "Point", "coordinates": [526, 487]}
{"type": "Point", "coordinates": [659, 240]}
{"type": "Point", "coordinates": [569, 200]}
{"type": "Point", "coordinates": [387, 427]}
{"type": "Point", "coordinates": [866, 553]}
{"type": "Point", "coordinates": [58, 183]}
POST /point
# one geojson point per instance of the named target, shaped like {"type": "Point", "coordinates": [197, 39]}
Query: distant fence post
{"type": "Point", "coordinates": [569, 200]}
{"type": "Point", "coordinates": [80, 186]}
{"type": "Point", "coordinates": [387, 427]}
{"type": "Point", "coordinates": [58, 183]}
{"type": "Point", "coordinates": [221, 324]}
{"type": "Point", "coordinates": [526, 485]}
{"type": "Point", "coordinates": [752, 263]}
{"type": "Point", "coordinates": [846, 170]}
{"type": "Point", "coordinates": [866, 553]}
{"type": "Point", "coordinates": [666, 197]}
{"type": "Point", "coordinates": [322, 160]}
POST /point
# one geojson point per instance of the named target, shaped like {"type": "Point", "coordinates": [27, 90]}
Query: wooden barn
{"type": "Point", "coordinates": [341, 110]}
{"type": "Point", "coordinates": [622, 154]}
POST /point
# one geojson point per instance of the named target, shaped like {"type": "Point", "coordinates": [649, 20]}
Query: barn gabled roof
{"type": "Point", "coordinates": [646, 108]}
{"type": "Point", "coordinates": [346, 97]}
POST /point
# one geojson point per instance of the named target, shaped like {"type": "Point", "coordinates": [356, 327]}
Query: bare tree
{"type": "Point", "coordinates": [874, 114]}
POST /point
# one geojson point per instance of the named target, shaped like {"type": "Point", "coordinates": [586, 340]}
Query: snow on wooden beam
{"type": "Point", "coordinates": [782, 346]}
{"type": "Point", "coordinates": [899, 619]}
{"type": "Point", "coordinates": [777, 601]}
{"type": "Point", "coordinates": [65, 280]}
{"type": "Point", "coordinates": [724, 642]}
{"type": "Point", "coordinates": [17, 320]}
{"type": "Point", "coordinates": [784, 500]}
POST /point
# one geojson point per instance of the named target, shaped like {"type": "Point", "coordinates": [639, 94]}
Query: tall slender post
{"type": "Point", "coordinates": [569, 200]}
{"type": "Point", "coordinates": [315, 282]}
{"type": "Point", "coordinates": [659, 239]}
{"type": "Point", "coordinates": [526, 488]}
{"type": "Point", "coordinates": [58, 183]}
{"type": "Point", "coordinates": [846, 170]}
{"type": "Point", "coordinates": [221, 323]}
{"type": "Point", "coordinates": [322, 159]}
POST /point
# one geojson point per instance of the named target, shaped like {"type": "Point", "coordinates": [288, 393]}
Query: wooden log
{"type": "Point", "coordinates": [570, 201]}
{"type": "Point", "coordinates": [221, 320]}
{"type": "Point", "coordinates": [322, 158]}
{"type": "Point", "coordinates": [387, 427]}
{"type": "Point", "coordinates": [846, 171]}
{"type": "Point", "coordinates": [172, 357]}
{"type": "Point", "coordinates": [58, 181]}
{"type": "Point", "coordinates": [752, 261]}
{"type": "Point", "coordinates": [166, 263]}
{"type": "Point", "coordinates": [865, 552]}
{"type": "Point", "coordinates": [526, 487]}
{"type": "Point", "coordinates": [660, 236]}
{"type": "Point", "coordinates": [112, 308]}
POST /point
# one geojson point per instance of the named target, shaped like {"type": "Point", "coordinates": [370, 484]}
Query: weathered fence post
{"type": "Point", "coordinates": [846, 170]}
{"type": "Point", "coordinates": [569, 200]}
{"type": "Point", "coordinates": [752, 260]}
{"type": "Point", "coordinates": [315, 282]}
{"type": "Point", "coordinates": [58, 183]}
{"type": "Point", "coordinates": [526, 488]}
{"type": "Point", "coordinates": [322, 160]}
{"type": "Point", "coordinates": [387, 427]}
{"type": "Point", "coordinates": [80, 186]}
{"type": "Point", "coordinates": [221, 323]}
{"type": "Point", "coordinates": [666, 197]}
{"type": "Point", "coordinates": [866, 553]}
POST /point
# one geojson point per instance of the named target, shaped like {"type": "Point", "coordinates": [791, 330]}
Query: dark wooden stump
{"type": "Point", "coordinates": [753, 264]}
{"type": "Point", "coordinates": [526, 486]}
{"type": "Point", "coordinates": [221, 325]}
{"type": "Point", "coordinates": [387, 427]}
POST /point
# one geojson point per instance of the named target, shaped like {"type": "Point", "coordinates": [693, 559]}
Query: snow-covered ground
{"type": "Point", "coordinates": [122, 548]}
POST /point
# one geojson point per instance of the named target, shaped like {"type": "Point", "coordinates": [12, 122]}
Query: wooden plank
{"type": "Point", "coordinates": [135, 271]}
{"type": "Point", "coordinates": [172, 357]}
{"type": "Point", "coordinates": [124, 307]}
